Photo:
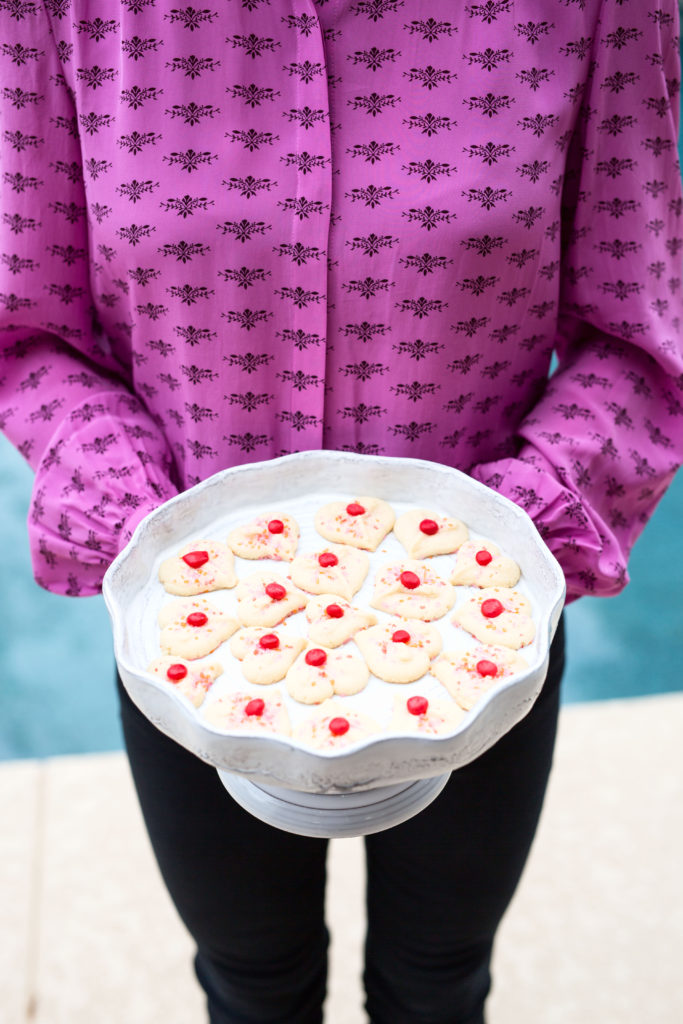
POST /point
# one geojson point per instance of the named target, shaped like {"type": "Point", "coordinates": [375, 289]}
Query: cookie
{"type": "Point", "coordinates": [199, 567]}
{"type": "Point", "coordinates": [274, 537]}
{"type": "Point", "coordinates": [266, 655]}
{"type": "Point", "coordinates": [332, 620]}
{"type": "Point", "coordinates": [362, 523]}
{"type": "Point", "coordinates": [412, 590]}
{"type": "Point", "coordinates": [335, 569]}
{"type": "Point", "coordinates": [480, 563]}
{"type": "Point", "coordinates": [266, 599]}
{"type": "Point", "coordinates": [319, 673]}
{"type": "Point", "coordinates": [468, 675]}
{"type": "Point", "coordinates": [193, 627]}
{"type": "Point", "coordinates": [426, 716]}
{"type": "Point", "coordinates": [497, 615]}
{"type": "Point", "coordinates": [193, 681]}
{"type": "Point", "coordinates": [399, 651]}
{"type": "Point", "coordinates": [243, 712]}
{"type": "Point", "coordinates": [333, 725]}
{"type": "Point", "coordinates": [424, 534]}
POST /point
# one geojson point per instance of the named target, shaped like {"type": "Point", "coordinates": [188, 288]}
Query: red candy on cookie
{"type": "Point", "coordinates": [197, 619]}
{"type": "Point", "coordinates": [316, 657]}
{"type": "Point", "coordinates": [334, 611]}
{"type": "Point", "coordinates": [255, 707]}
{"type": "Point", "coordinates": [483, 557]}
{"type": "Point", "coordinates": [487, 668]}
{"type": "Point", "coordinates": [195, 559]}
{"type": "Point", "coordinates": [339, 726]}
{"type": "Point", "coordinates": [355, 509]}
{"type": "Point", "coordinates": [176, 672]}
{"type": "Point", "coordinates": [410, 580]}
{"type": "Point", "coordinates": [276, 526]}
{"type": "Point", "coordinates": [269, 641]}
{"type": "Point", "coordinates": [275, 591]}
{"type": "Point", "coordinates": [491, 608]}
{"type": "Point", "coordinates": [417, 705]}
{"type": "Point", "coordinates": [429, 527]}
{"type": "Point", "coordinates": [401, 636]}
{"type": "Point", "coordinates": [327, 560]}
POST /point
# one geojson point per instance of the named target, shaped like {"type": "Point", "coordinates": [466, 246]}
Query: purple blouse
{"type": "Point", "coordinates": [232, 231]}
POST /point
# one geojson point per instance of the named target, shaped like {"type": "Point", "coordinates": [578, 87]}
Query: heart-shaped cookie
{"type": "Point", "coordinates": [427, 716]}
{"type": "Point", "coordinates": [468, 675]}
{"type": "Point", "coordinates": [266, 655]}
{"type": "Point", "coordinates": [497, 615]}
{"type": "Point", "coordinates": [333, 724]}
{"type": "Point", "coordinates": [266, 599]}
{"type": "Point", "coordinates": [480, 563]}
{"type": "Point", "coordinates": [193, 627]}
{"type": "Point", "coordinates": [399, 651]}
{"type": "Point", "coordinates": [424, 534]}
{"type": "Point", "coordinates": [334, 569]}
{"type": "Point", "coordinates": [243, 712]}
{"type": "Point", "coordinates": [319, 673]}
{"type": "Point", "coordinates": [199, 567]}
{"type": "Point", "coordinates": [266, 537]}
{"type": "Point", "coordinates": [412, 590]}
{"type": "Point", "coordinates": [362, 523]}
{"type": "Point", "coordinates": [332, 620]}
{"type": "Point", "coordinates": [193, 681]}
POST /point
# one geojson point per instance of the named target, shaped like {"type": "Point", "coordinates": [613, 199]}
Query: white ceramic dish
{"type": "Point", "coordinates": [279, 779]}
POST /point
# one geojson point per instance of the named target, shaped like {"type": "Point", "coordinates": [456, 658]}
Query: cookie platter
{"type": "Point", "coordinates": [383, 777]}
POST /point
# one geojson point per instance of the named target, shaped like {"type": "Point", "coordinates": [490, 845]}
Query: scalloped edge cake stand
{"type": "Point", "coordinates": [334, 816]}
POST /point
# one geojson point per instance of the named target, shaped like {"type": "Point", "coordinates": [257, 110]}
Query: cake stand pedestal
{"type": "Point", "coordinates": [336, 815]}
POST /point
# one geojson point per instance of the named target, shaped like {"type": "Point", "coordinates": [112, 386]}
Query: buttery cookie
{"type": "Point", "coordinates": [266, 599]}
{"type": "Point", "coordinates": [480, 563]}
{"type": "Point", "coordinates": [274, 537]}
{"type": "Point", "coordinates": [332, 725]}
{"type": "Point", "coordinates": [399, 651]}
{"type": "Point", "coordinates": [199, 567]}
{"type": "Point", "coordinates": [424, 534]}
{"type": "Point", "coordinates": [243, 712]}
{"type": "Point", "coordinates": [332, 620]}
{"type": "Point", "coordinates": [266, 655]}
{"type": "Point", "coordinates": [497, 615]}
{"type": "Point", "coordinates": [319, 673]}
{"type": "Point", "coordinates": [427, 716]}
{"type": "Point", "coordinates": [335, 569]}
{"type": "Point", "coordinates": [413, 590]}
{"type": "Point", "coordinates": [468, 675]}
{"type": "Point", "coordinates": [362, 523]}
{"type": "Point", "coordinates": [193, 627]}
{"type": "Point", "coordinates": [193, 681]}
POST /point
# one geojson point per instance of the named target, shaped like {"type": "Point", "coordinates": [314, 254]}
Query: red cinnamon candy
{"type": "Point", "coordinates": [176, 672]}
{"type": "Point", "coordinates": [195, 559]}
{"type": "Point", "coordinates": [316, 657]}
{"type": "Point", "coordinates": [334, 611]}
{"type": "Point", "coordinates": [327, 560]}
{"type": "Point", "coordinates": [276, 526]}
{"type": "Point", "coordinates": [269, 641]}
{"type": "Point", "coordinates": [487, 668]}
{"type": "Point", "coordinates": [410, 580]}
{"type": "Point", "coordinates": [197, 619]}
{"type": "Point", "coordinates": [339, 726]}
{"type": "Point", "coordinates": [355, 509]}
{"type": "Point", "coordinates": [429, 527]}
{"type": "Point", "coordinates": [491, 608]}
{"type": "Point", "coordinates": [483, 557]}
{"type": "Point", "coordinates": [417, 705]}
{"type": "Point", "coordinates": [275, 591]}
{"type": "Point", "coordinates": [401, 636]}
{"type": "Point", "coordinates": [255, 707]}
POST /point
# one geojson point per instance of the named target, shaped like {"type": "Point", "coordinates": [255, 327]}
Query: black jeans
{"type": "Point", "coordinates": [252, 896]}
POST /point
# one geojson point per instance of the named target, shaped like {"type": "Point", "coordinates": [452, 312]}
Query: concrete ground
{"type": "Point", "coordinates": [594, 935]}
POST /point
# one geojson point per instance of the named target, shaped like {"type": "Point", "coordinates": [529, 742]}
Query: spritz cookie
{"type": "Point", "coordinates": [333, 725]}
{"type": "Point", "coordinates": [362, 523]}
{"type": "Point", "coordinates": [413, 590]}
{"type": "Point", "coordinates": [424, 534]}
{"type": "Point", "coordinates": [193, 627]}
{"type": "Point", "coordinates": [266, 537]}
{"type": "Point", "coordinates": [243, 712]}
{"type": "Point", "coordinates": [266, 655]}
{"type": "Point", "coordinates": [335, 569]}
{"type": "Point", "coordinates": [319, 673]}
{"type": "Point", "coordinates": [480, 563]}
{"type": "Point", "coordinates": [266, 599]}
{"type": "Point", "coordinates": [399, 651]}
{"type": "Point", "coordinates": [427, 716]}
{"type": "Point", "coordinates": [199, 567]}
{"type": "Point", "coordinates": [193, 681]}
{"type": "Point", "coordinates": [468, 675]}
{"type": "Point", "coordinates": [332, 620]}
{"type": "Point", "coordinates": [497, 615]}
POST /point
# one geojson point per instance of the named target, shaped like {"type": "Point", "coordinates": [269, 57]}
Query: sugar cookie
{"type": "Point", "coordinates": [266, 655]}
{"type": "Point", "coordinates": [199, 567]}
{"type": "Point", "coordinates": [499, 616]}
{"type": "Point", "coordinates": [413, 590]}
{"type": "Point", "coordinates": [424, 534]}
{"type": "Point", "coordinates": [332, 725]}
{"type": "Point", "coordinates": [266, 537]}
{"type": "Point", "coordinates": [399, 651]}
{"type": "Point", "coordinates": [334, 569]}
{"type": "Point", "coordinates": [193, 681]}
{"type": "Point", "coordinates": [266, 599]}
{"type": "Point", "coordinates": [193, 627]}
{"type": "Point", "coordinates": [319, 673]}
{"type": "Point", "coordinates": [332, 620]}
{"type": "Point", "coordinates": [479, 563]}
{"type": "Point", "coordinates": [428, 716]}
{"type": "Point", "coordinates": [362, 523]}
{"type": "Point", "coordinates": [468, 675]}
{"type": "Point", "coordinates": [243, 712]}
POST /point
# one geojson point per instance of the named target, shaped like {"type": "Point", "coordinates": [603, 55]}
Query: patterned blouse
{"type": "Point", "coordinates": [250, 227]}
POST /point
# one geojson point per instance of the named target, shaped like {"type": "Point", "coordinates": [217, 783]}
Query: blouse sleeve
{"type": "Point", "coordinates": [603, 443]}
{"type": "Point", "coordinates": [101, 461]}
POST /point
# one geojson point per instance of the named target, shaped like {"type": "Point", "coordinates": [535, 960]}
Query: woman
{"type": "Point", "coordinates": [264, 226]}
